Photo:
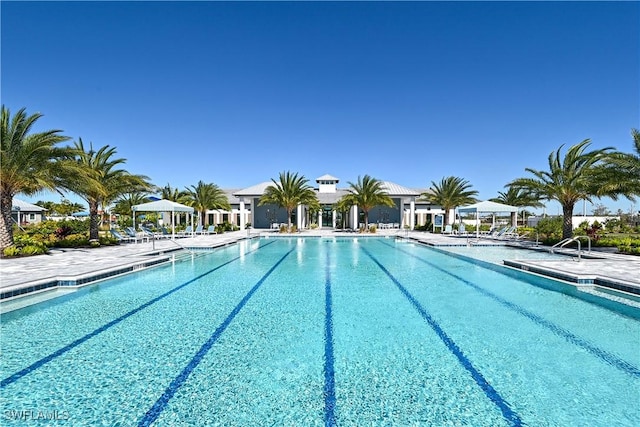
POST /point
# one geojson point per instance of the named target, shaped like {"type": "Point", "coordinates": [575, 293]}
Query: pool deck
{"type": "Point", "coordinates": [76, 267]}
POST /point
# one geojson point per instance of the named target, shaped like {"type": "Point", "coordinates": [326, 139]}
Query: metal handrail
{"type": "Point", "coordinates": [576, 239]}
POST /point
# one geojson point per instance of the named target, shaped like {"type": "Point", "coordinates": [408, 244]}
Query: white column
{"type": "Point", "coordinates": [354, 213]}
{"type": "Point", "coordinates": [299, 217]}
{"type": "Point", "coordinates": [412, 213]}
{"type": "Point", "coordinates": [242, 215]}
{"type": "Point", "coordinates": [402, 221]}
{"type": "Point", "coordinates": [334, 214]}
{"type": "Point", "coordinates": [320, 219]}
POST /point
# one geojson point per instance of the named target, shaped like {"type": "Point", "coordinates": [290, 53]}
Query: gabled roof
{"type": "Point", "coordinates": [327, 177]}
{"type": "Point", "coordinates": [230, 193]}
{"type": "Point", "coordinates": [398, 190]}
{"type": "Point", "coordinates": [22, 206]}
{"type": "Point", "coordinates": [331, 198]}
{"type": "Point", "coordinates": [254, 190]}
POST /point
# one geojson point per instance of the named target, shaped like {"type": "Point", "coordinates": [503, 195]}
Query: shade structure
{"type": "Point", "coordinates": [486, 207]}
{"type": "Point", "coordinates": [162, 205]}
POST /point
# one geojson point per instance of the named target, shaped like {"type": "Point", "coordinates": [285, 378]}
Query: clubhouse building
{"type": "Point", "coordinates": [408, 211]}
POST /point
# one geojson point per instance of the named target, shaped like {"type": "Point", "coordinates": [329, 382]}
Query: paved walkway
{"type": "Point", "coordinates": [72, 264]}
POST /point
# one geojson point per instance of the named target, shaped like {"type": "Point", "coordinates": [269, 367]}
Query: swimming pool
{"type": "Point", "coordinates": [318, 331]}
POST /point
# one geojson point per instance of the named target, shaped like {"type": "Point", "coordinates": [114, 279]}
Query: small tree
{"type": "Point", "coordinates": [367, 193]}
{"type": "Point", "coordinates": [290, 191]}
{"type": "Point", "coordinates": [450, 193]}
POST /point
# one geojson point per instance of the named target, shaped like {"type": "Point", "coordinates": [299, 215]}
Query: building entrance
{"type": "Point", "coordinates": [327, 216]}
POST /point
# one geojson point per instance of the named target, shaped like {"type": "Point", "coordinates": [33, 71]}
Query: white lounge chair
{"type": "Point", "coordinates": [448, 229]}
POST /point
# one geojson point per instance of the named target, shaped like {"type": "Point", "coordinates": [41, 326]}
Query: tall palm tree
{"type": "Point", "coordinates": [518, 197]}
{"type": "Point", "coordinates": [289, 192]}
{"type": "Point", "coordinates": [568, 179]}
{"type": "Point", "coordinates": [367, 193]}
{"type": "Point", "coordinates": [620, 173]}
{"type": "Point", "coordinates": [105, 183]}
{"type": "Point", "coordinates": [29, 163]}
{"type": "Point", "coordinates": [203, 196]}
{"type": "Point", "coordinates": [450, 193]}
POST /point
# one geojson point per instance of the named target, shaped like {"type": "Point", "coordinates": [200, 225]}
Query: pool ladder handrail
{"type": "Point", "coordinates": [561, 244]}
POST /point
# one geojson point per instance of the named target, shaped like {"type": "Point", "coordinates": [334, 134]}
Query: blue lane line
{"type": "Point", "coordinates": [13, 378]}
{"type": "Point", "coordinates": [607, 357]}
{"type": "Point", "coordinates": [329, 371]}
{"type": "Point", "coordinates": [489, 391]}
{"type": "Point", "coordinates": [160, 405]}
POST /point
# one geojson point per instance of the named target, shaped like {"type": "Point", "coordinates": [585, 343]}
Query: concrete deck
{"type": "Point", "coordinates": [80, 266]}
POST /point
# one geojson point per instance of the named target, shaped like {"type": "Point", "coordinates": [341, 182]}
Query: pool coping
{"type": "Point", "coordinates": [580, 281]}
{"type": "Point", "coordinates": [70, 281]}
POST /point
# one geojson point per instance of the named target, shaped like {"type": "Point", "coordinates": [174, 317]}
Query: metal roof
{"type": "Point", "coordinates": [327, 177]}
{"type": "Point", "coordinates": [254, 190]}
{"type": "Point", "coordinates": [21, 205]}
{"type": "Point", "coordinates": [398, 190]}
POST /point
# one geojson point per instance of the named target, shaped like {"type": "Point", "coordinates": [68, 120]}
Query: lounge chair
{"type": "Point", "coordinates": [186, 231]}
{"type": "Point", "coordinates": [120, 238]}
{"type": "Point", "coordinates": [132, 233]}
{"type": "Point", "coordinates": [462, 230]}
{"type": "Point", "coordinates": [448, 229]}
{"type": "Point", "coordinates": [151, 235]}
{"type": "Point", "coordinates": [199, 230]}
{"type": "Point", "coordinates": [211, 229]}
{"type": "Point", "coordinates": [495, 233]}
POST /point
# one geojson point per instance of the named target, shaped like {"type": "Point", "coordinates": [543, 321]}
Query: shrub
{"type": "Point", "coordinates": [11, 251]}
{"type": "Point", "coordinates": [73, 241]}
{"type": "Point", "coordinates": [372, 229]}
{"type": "Point", "coordinates": [550, 229]}
{"type": "Point", "coordinates": [33, 250]}
{"type": "Point", "coordinates": [62, 231]}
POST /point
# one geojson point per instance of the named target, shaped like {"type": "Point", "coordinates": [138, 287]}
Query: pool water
{"type": "Point", "coordinates": [314, 331]}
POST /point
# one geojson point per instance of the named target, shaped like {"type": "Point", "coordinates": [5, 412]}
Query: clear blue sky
{"type": "Point", "coordinates": [234, 93]}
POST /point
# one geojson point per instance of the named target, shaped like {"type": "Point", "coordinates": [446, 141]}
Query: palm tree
{"type": "Point", "coordinates": [203, 196]}
{"type": "Point", "coordinates": [174, 195]}
{"type": "Point", "coordinates": [104, 183]}
{"type": "Point", "coordinates": [66, 208]}
{"type": "Point", "coordinates": [367, 193]}
{"type": "Point", "coordinates": [568, 180]}
{"type": "Point", "coordinates": [343, 206]}
{"type": "Point", "coordinates": [125, 202]}
{"type": "Point", "coordinates": [518, 197]}
{"type": "Point", "coordinates": [620, 173]}
{"type": "Point", "coordinates": [292, 190]}
{"type": "Point", "coordinates": [29, 163]}
{"type": "Point", "coordinates": [450, 193]}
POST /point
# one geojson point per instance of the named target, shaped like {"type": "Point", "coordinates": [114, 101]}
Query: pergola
{"type": "Point", "coordinates": [163, 205]}
{"type": "Point", "coordinates": [486, 207]}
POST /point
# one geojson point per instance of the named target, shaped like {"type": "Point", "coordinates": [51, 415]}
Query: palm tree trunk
{"type": "Point", "coordinates": [289, 220]}
{"type": "Point", "coordinates": [366, 220]}
{"type": "Point", "coordinates": [93, 220]}
{"type": "Point", "coordinates": [567, 223]}
{"type": "Point", "coordinates": [6, 228]}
